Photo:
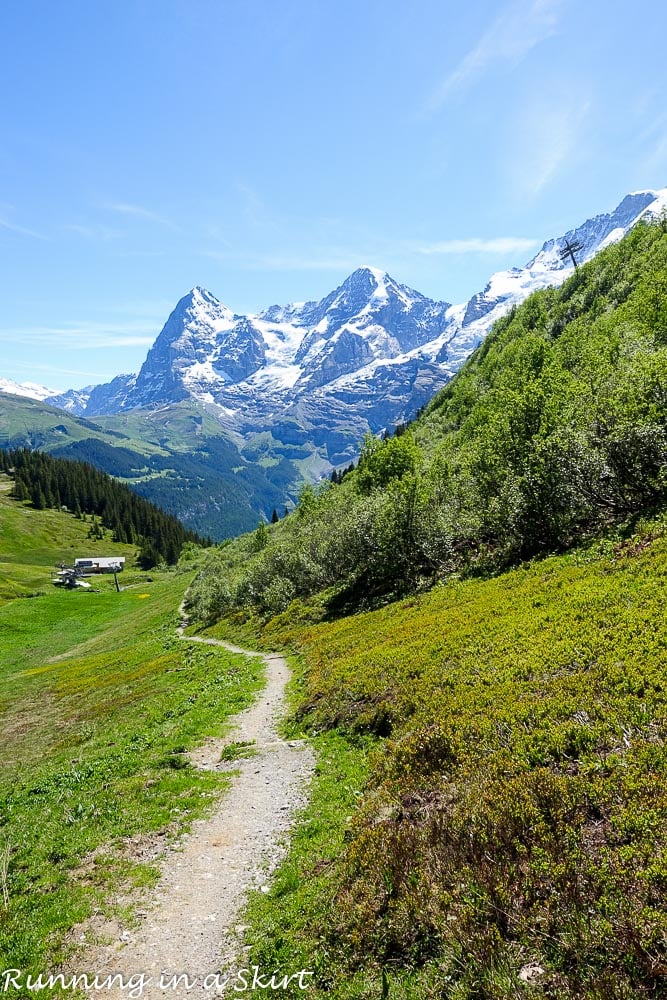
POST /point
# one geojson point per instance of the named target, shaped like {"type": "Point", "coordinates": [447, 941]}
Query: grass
{"type": "Point", "coordinates": [100, 701]}
{"type": "Point", "coordinates": [508, 736]}
{"type": "Point", "coordinates": [29, 423]}
{"type": "Point", "coordinates": [32, 545]}
{"type": "Point", "coordinates": [238, 750]}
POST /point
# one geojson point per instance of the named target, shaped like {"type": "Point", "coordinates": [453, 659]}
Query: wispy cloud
{"type": "Point", "coordinates": [519, 28]}
{"type": "Point", "coordinates": [21, 230]}
{"type": "Point", "coordinates": [56, 370]}
{"type": "Point", "coordinates": [139, 212]}
{"type": "Point", "coordinates": [83, 336]}
{"type": "Point", "coordinates": [651, 143]}
{"type": "Point", "coordinates": [549, 136]}
{"type": "Point", "coordinates": [400, 252]}
{"type": "Point", "coordinates": [97, 233]}
{"type": "Point", "coordinates": [655, 164]}
{"type": "Point", "coordinates": [495, 245]}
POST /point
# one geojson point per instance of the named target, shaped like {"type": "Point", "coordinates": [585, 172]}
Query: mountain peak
{"type": "Point", "coordinates": [195, 308]}
{"type": "Point", "coordinates": [375, 272]}
{"type": "Point", "coordinates": [367, 277]}
{"type": "Point", "coordinates": [198, 295]}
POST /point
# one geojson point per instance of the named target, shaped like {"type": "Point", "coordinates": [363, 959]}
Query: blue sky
{"type": "Point", "coordinates": [266, 148]}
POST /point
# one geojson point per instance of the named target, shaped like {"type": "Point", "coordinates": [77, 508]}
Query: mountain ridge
{"type": "Point", "coordinates": [284, 396]}
{"type": "Point", "coordinates": [315, 352]}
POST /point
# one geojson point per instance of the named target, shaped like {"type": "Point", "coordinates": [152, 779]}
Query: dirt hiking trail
{"type": "Point", "coordinates": [190, 924]}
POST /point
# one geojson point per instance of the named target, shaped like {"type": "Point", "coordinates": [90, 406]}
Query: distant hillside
{"type": "Point", "coordinates": [33, 542]}
{"type": "Point", "coordinates": [82, 490]}
{"type": "Point", "coordinates": [553, 430]}
{"type": "Point", "coordinates": [178, 456]}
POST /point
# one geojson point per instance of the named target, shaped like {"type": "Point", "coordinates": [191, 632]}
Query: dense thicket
{"type": "Point", "coordinates": [56, 482]}
{"type": "Point", "coordinates": [554, 429]}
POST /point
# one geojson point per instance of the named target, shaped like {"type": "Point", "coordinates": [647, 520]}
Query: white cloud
{"type": "Point", "coordinates": [21, 230]}
{"type": "Point", "coordinates": [83, 336]}
{"type": "Point", "coordinates": [497, 244]}
{"type": "Point", "coordinates": [519, 28]}
{"type": "Point", "coordinates": [139, 212]}
{"type": "Point", "coordinates": [548, 137]}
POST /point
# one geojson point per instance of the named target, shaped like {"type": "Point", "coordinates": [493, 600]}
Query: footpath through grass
{"type": "Point", "coordinates": [489, 818]}
{"type": "Point", "coordinates": [99, 702]}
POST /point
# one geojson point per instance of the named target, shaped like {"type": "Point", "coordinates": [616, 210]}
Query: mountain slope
{"type": "Point", "coordinates": [489, 819]}
{"type": "Point", "coordinates": [555, 428]}
{"type": "Point", "coordinates": [176, 456]}
{"type": "Point", "coordinates": [289, 393]}
{"type": "Point", "coordinates": [489, 812]}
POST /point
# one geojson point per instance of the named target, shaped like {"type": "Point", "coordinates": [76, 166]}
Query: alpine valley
{"type": "Point", "coordinates": [230, 414]}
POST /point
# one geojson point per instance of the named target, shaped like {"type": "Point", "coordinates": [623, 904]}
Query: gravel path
{"type": "Point", "coordinates": [191, 926]}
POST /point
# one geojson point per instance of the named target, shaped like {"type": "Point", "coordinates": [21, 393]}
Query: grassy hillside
{"type": "Point", "coordinates": [99, 700]}
{"type": "Point", "coordinates": [32, 546]}
{"type": "Point", "coordinates": [493, 764]}
{"type": "Point", "coordinates": [179, 457]}
{"type": "Point", "coordinates": [490, 802]}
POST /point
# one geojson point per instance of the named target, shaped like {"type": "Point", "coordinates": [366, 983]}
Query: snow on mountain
{"type": "Point", "coordinates": [319, 374]}
{"type": "Point", "coordinates": [30, 389]}
{"type": "Point", "coordinates": [473, 320]}
{"type": "Point", "coordinates": [73, 401]}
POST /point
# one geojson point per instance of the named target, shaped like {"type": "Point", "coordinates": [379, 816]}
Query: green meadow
{"type": "Point", "coordinates": [99, 702]}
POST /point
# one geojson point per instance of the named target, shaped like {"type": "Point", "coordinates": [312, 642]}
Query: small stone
{"type": "Point", "coordinates": [531, 973]}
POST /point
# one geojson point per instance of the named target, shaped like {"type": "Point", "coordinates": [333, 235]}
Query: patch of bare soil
{"type": "Point", "coordinates": [190, 924]}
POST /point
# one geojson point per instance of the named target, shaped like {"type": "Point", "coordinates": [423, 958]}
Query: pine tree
{"type": "Point", "coordinates": [37, 497]}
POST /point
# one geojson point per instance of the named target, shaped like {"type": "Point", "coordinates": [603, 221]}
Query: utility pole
{"type": "Point", "coordinates": [570, 248]}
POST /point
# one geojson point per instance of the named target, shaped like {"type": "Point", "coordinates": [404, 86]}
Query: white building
{"type": "Point", "coordinates": [100, 564]}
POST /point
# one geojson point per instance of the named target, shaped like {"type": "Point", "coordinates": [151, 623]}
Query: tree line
{"type": "Point", "coordinates": [84, 491]}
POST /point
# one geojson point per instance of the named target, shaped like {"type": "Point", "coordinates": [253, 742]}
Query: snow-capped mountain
{"type": "Point", "coordinates": [317, 375]}
{"type": "Point", "coordinates": [547, 268]}
{"type": "Point", "coordinates": [278, 368]}
{"type": "Point", "coordinates": [29, 389]}
{"type": "Point", "coordinates": [73, 401]}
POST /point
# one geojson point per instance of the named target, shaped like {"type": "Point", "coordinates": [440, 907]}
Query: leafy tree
{"type": "Point", "coordinates": [260, 538]}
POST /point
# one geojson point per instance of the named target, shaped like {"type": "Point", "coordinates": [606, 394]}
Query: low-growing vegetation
{"type": "Point", "coordinates": [511, 835]}
{"type": "Point", "coordinates": [100, 702]}
{"type": "Point", "coordinates": [505, 722]}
